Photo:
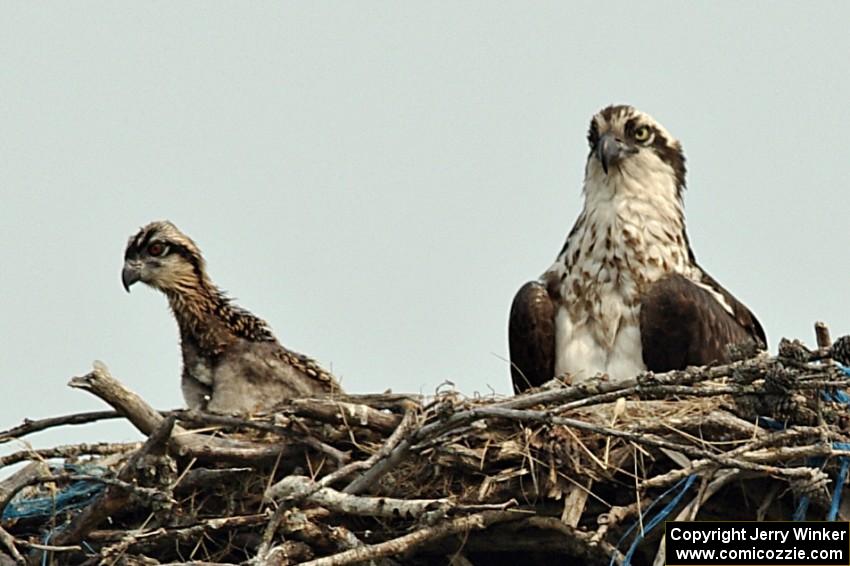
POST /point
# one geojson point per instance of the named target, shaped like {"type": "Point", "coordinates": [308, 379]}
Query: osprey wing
{"type": "Point", "coordinates": [531, 337]}
{"type": "Point", "coordinates": [319, 379]}
{"type": "Point", "coordinates": [683, 324]}
{"type": "Point", "coordinates": [256, 376]}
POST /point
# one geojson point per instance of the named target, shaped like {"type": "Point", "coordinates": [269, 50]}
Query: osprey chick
{"type": "Point", "coordinates": [626, 293]}
{"type": "Point", "coordinates": [231, 360]}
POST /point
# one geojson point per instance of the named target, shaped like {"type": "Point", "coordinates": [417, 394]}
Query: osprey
{"type": "Point", "coordinates": [626, 293]}
{"type": "Point", "coordinates": [232, 363]}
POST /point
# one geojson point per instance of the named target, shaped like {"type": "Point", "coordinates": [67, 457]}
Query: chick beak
{"type": "Point", "coordinates": [130, 274]}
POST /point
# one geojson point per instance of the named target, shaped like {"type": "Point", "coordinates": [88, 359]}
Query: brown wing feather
{"type": "Point", "coordinates": [531, 337]}
{"type": "Point", "coordinates": [322, 380]}
{"type": "Point", "coordinates": [682, 324]}
{"type": "Point", "coordinates": [742, 314]}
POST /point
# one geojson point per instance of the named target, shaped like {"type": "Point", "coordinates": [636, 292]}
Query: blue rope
{"type": "Point", "coordinates": [682, 485]}
{"type": "Point", "coordinates": [44, 552]}
{"type": "Point", "coordinates": [75, 496]}
{"type": "Point", "coordinates": [840, 396]}
{"type": "Point", "coordinates": [839, 487]}
{"type": "Point", "coordinates": [837, 396]}
{"type": "Point", "coordinates": [802, 508]}
{"type": "Point", "coordinates": [767, 422]}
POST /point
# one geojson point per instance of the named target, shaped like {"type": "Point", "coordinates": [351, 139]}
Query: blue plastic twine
{"type": "Point", "coordinates": [75, 496]}
{"type": "Point", "coordinates": [682, 485]}
{"type": "Point", "coordinates": [837, 396]}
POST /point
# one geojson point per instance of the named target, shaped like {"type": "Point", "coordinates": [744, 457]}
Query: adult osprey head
{"type": "Point", "coordinates": [626, 293]}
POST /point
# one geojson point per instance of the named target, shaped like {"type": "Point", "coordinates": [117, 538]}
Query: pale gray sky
{"type": "Point", "coordinates": [377, 179]}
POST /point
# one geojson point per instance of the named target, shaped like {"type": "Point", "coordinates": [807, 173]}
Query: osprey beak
{"type": "Point", "coordinates": [609, 150]}
{"type": "Point", "coordinates": [131, 273]}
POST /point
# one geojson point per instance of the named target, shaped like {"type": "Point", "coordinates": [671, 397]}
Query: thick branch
{"type": "Point", "coordinates": [406, 543]}
{"type": "Point", "coordinates": [146, 419]}
{"type": "Point", "coordinates": [387, 507]}
{"type": "Point", "coordinates": [344, 413]}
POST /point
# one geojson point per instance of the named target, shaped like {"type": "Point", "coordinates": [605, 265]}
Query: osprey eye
{"type": "Point", "coordinates": [156, 249]}
{"type": "Point", "coordinates": [642, 134]}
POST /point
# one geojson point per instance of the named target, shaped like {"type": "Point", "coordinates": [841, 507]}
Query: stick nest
{"type": "Point", "coordinates": [566, 474]}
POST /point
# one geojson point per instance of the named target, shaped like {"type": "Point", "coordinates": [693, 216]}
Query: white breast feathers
{"type": "Point", "coordinates": [630, 234]}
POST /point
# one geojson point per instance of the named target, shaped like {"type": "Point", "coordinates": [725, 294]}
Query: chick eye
{"type": "Point", "coordinates": [156, 249]}
{"type": "Point", "coordinates": [642, 134]}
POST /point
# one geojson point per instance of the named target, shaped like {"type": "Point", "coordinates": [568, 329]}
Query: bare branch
{"type": "Point", "coordinates": [30, 426]}
{"type": "Point", "coordinates": [408, 542]}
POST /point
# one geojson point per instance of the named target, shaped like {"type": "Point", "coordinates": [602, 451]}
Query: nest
{"type": "Point", "coordinates": [569, 474]}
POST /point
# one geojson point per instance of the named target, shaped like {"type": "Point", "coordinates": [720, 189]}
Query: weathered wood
{"type": "Point", "coordinates": [406, 543]}
{"type": "Point", "coordinates": [32, 426]}
{"type": "Point", "coordinates": [116, 498]}
{"type": "Point", "coordinates": [101, 383]}
{"type": "Point", "coordinates": [556, 474]}
{"type": "Point", "coordinates": [344, 414]}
